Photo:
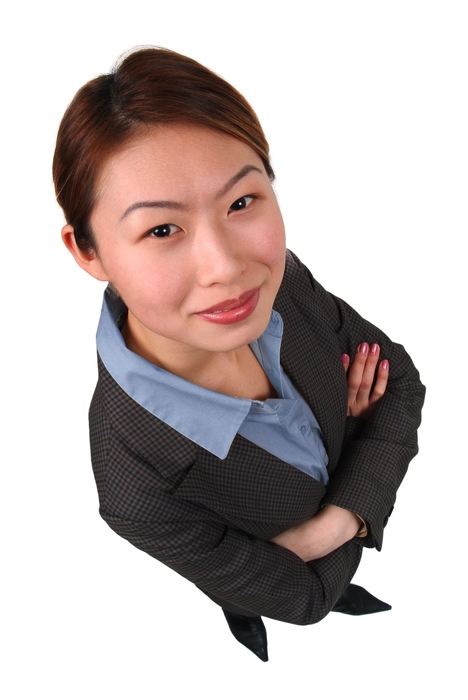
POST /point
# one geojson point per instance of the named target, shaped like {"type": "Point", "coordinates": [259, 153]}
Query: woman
{"type": "Point", "coordinates": [225, 439]}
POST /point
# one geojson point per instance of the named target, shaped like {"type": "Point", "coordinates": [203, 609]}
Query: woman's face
{"type": "Point", "coordinates": [189, 232]}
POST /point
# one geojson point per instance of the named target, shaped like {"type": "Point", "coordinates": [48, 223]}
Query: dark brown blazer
{"type": "Point", "coordinates": [211, 519]}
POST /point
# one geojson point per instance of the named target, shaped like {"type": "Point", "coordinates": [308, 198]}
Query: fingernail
{"type": "Point", "coordinates": [374, 349]}
{"type": "Point", "coordinates": [385, 365]}
{"type": "Point", "coordinates": [344, 358]}
{"type": "Point", "coordinates": [363, 348]}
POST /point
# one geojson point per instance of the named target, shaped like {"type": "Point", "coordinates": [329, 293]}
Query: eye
{"type": "Point", "coordinates": [242, 203]}
{"type": "Point", "coordinates": [163, 231]}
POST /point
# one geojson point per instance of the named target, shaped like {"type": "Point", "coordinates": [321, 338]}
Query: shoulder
{"type": "Point", "coordinates": [301, 293]}
{"type": "Point", "coordinates": [132, 451]}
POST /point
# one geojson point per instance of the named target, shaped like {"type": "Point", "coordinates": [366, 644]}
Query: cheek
{"type": "Point", "coordinates": [277, 251]}
{"type": "Point", "coordinates": [159, 290]}
{"type": "Point", "coordinates": [271, 240]}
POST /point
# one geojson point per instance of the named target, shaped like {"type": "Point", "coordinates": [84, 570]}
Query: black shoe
{"type": "Point", "coordinates": [355, 600]}
{"type": "Point", "coordinates": [249, 631]}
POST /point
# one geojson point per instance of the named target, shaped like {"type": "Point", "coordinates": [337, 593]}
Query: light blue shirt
{"type": "Point", "coordinates": [285, 427]}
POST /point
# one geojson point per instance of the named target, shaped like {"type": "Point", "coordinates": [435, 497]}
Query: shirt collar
{"type": "Point", "coordinates": [173, 399]}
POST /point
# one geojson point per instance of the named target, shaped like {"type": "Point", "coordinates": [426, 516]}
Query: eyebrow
{"type": "Point", "coordinates": [235, 179]}
{"type": "Point", "coordinates": [170, 204]}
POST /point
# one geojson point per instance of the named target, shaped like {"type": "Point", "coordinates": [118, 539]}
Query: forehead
{"type": "Point", "coordinates": [173, 159]}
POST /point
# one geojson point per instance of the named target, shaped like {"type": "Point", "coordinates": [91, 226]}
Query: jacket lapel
{"type": "Point", "coordinates": [310, 356]}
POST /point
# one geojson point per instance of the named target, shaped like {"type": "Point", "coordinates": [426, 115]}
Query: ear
{"type": "Point", "coordinates": [89, 262]}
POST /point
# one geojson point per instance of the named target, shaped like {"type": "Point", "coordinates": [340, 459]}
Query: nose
{"type": "Point", "coordinates": [218, 258]}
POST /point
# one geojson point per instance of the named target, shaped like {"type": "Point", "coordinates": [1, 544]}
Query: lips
{"type": "Point", "coordinates": [229, 304]}
{"type": "Point", "coordinates": [232, 310]}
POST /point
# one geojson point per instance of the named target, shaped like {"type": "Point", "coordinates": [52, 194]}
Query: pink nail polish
{"type": "Point", "coordinates": [374, 349]}
{"type": "Point", "coordinates": [363, 348]}
{"type": "Point", "coordinates": [344, 358]}
{"type": "Point", "coordinates": [385, 365]}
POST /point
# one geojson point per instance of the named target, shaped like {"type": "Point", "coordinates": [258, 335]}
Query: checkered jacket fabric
{"type": "Point", "coordinates": [210, 519]}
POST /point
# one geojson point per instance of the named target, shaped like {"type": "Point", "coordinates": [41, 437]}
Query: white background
{"type": "Point", "coordinates": [365, 108]}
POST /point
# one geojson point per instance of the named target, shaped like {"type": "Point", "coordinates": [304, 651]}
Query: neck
{"type": "Point", "coordinates": [235, 373]}
{"type": "Point", "coordinates": [193, 364]}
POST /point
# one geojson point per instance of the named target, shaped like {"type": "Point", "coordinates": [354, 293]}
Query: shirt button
{"type": "Point", "coordinates": [303, 429]}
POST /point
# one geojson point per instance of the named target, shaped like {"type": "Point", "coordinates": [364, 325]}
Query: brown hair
{"type": "Point", "coordinates": [149, 86]}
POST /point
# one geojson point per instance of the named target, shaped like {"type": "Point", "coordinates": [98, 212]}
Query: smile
{"type": "Point", "coordinates": [232, 310]}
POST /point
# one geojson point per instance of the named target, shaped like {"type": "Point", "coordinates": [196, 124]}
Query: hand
{"type": "Point", "coordinates": [361, 374]}
{"type": "Point", "coordinates": [322, 534]}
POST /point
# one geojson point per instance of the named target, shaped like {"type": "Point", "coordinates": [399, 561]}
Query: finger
{"type": "Point", "coordinates": [355, 373]}
{"type": "Point", "coordinates": [345, 361]}
{"type": "Point", "coordinates": [381, 382]}
{"type": "Point", "coordinates": [368, 374]}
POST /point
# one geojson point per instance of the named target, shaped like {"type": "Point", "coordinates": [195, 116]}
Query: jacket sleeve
{"type": "Point", "coordinates": [377, 451]}
{"type": "Point", "coordinates": [240, 572]}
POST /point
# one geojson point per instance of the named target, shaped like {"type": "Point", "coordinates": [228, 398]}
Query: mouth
{"type": "Point", "coordinates": [232, 310]}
